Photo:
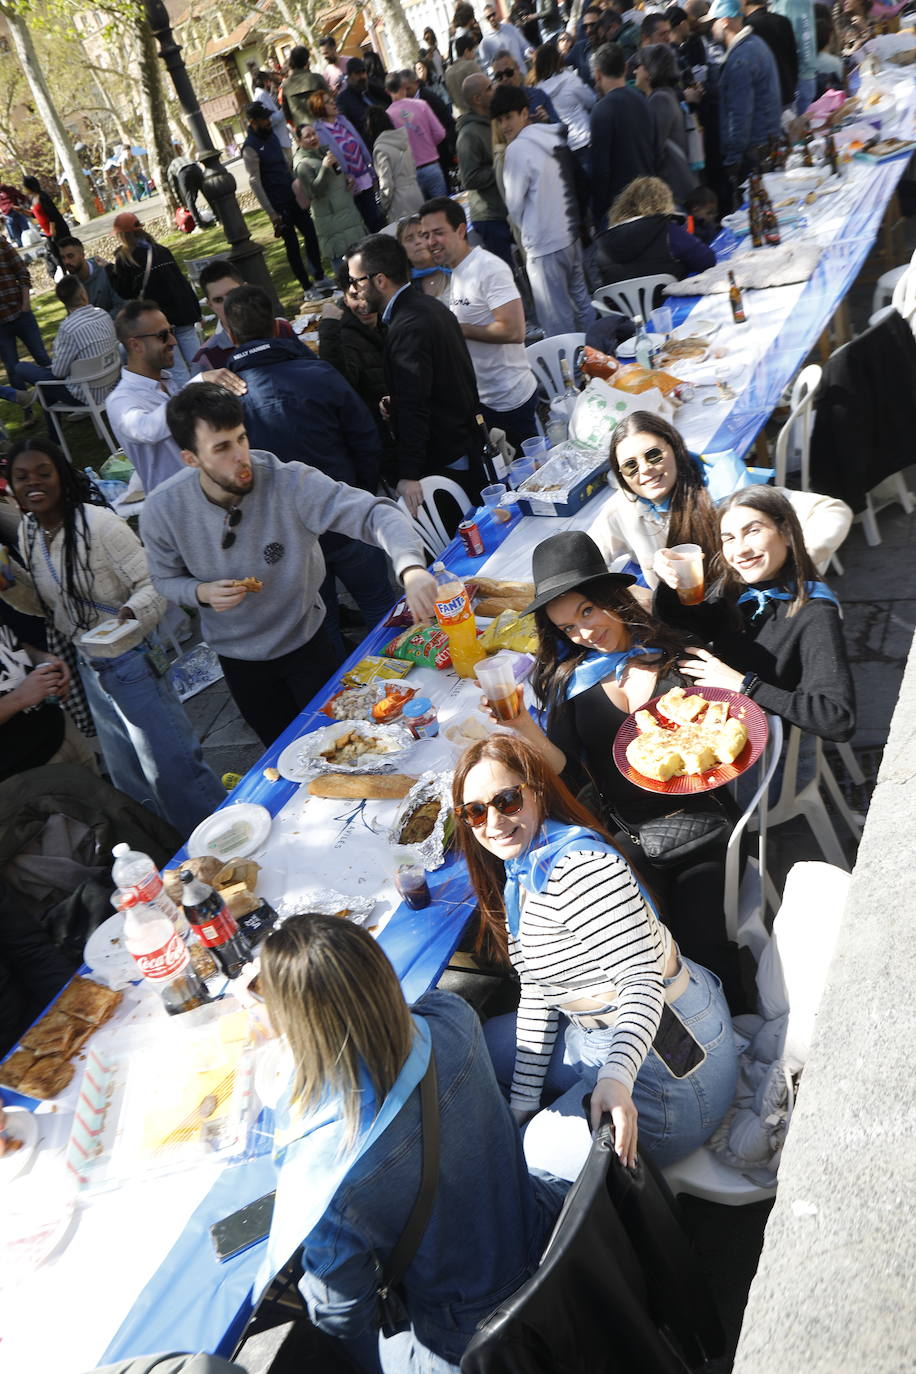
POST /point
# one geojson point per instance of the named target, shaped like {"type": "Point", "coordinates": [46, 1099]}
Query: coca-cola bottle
{"type": "Point", "coordinates": [162, 956]}
{"type": "Point", "coordinates": [134, 872]}
{"type": "Point", "coordinates": [210, 920]}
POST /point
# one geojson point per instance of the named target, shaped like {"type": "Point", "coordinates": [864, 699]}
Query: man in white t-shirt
{"type": "Point", "coordinates": [485, 300]}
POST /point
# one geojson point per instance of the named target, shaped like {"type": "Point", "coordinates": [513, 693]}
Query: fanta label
{"type": "Point", "coordinates": [161, 965]}
{"type": "Point", "coordinates": [452, 610]}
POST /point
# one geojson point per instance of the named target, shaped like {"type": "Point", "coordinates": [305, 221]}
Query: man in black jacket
{"type": "Point", "coordinates": [432, 391]}
{"type": "Point", "coordinates": [624, 132]}
{"type": "Point", "coordinates": [779, 36]}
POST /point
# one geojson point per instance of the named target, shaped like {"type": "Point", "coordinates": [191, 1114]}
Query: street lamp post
{"type": "Point", "coordinates": [219, 183]}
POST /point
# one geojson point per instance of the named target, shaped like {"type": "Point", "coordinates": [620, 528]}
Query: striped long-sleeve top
{"type": "Point", "coordinates": [588, 934]}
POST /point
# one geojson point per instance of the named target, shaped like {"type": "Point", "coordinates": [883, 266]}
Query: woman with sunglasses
{"type": "Point", "coordinates": [601, 656]}
{"type": "Point", "coordinates": [662, 500]}
{"type": "Point", "coordinates": [773, 628]}
{"type": "Point", "coordinates": [84, 565]}
{"type": "Point", "coordinates": [608, 1003]}
{"type": "Point", "coordinates": [354, 1133]}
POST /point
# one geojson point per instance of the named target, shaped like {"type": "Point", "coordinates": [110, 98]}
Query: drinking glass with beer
{"type": "Point", "coordinates": [496, 676]}
{"type": "Point", "coordinates": [686, 562]}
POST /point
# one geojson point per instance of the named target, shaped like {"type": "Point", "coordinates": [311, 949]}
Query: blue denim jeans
{"type": "Point", "coordinates": [150, 749]}
{"type": "Point", "coordinates": [363, 569]}
{"type": "Point", "coordinates": [676, 1115]}
{"type": "Point", "coordinates": [431, 180]}
{"type": "Point", "coordinates": [16, 225]}
{"type": "Point", "coordinates": [27, 374]}
{"type": "Point", "coordinates": [24, 327]}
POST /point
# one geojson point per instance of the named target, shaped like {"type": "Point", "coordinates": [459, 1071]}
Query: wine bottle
{"type": "Point", "coordinates": [489, 453]}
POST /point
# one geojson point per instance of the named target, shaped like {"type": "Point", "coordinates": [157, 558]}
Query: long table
{"type": "Point", "coordinates": [137, 1272]}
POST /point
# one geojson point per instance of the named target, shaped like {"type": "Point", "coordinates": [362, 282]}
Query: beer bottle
{"type": "Point", "coordinates": [489, 453]}
{"type": "Point", "coordinates": [755, 212]}
{"type": "Point", "coordinates": [771, 226]}
{"type": "Point", "coordinates": [830, 155]}
{"type": "Point", "coordinates": [807, 159]}
{"type": "Point", "coordinates": [735, 301]}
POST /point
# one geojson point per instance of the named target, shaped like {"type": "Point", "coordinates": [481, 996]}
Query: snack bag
{"type": "Point", "coordinates": [594, 363]}
{"type": "Point", "coordinates": [511, 631]}
{"type": "Point", "coordinates": [423, 644]}
{"type": "Point", "coordinates": [374, 666]}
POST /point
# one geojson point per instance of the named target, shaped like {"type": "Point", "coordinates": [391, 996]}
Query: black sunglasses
{"type": "Point", "coordinates": [504, 74]}
{"type": "Point", "coordinates": [233, 518]}
{"type": "Point", "coordinates": [652, 456]}
{"type": "Point", "coordinates": [163, 335]}
{"type": "Point", "coordinates": [508, 802]}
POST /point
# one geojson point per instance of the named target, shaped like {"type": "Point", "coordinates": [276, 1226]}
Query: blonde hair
{"type": "Point", "coordinates": [128, 240]}
{"type": "Point", "coordinates": [334, 995]}
{"type": "Point", "coordinates": [644, 196]}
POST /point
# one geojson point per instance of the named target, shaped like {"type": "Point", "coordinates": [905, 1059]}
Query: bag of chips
{"type": "Point", "coordinates": [371, 667]}
{"type": "Point", "coordinates": [423, 644]}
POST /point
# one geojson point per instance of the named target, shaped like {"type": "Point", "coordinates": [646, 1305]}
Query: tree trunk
{"type": "Point", "coordinates": [24, 49]}
{"type": "Point", "coordinates": [292, 21]}
{"type": "Point", "coordinates": [400, 39]}
{"type": "Point", "coordinates": [156, 134]}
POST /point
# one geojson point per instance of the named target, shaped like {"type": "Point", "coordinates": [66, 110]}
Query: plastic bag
{"type": "Point", "coordinates": [600, 409]}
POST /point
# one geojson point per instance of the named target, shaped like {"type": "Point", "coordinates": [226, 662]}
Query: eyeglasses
{"type": "Point", "coordinates": [355, 281]}
{"type": "Point", "coordinates": [652, 457]}
{"type": "Point", "coordinates": [163, 335]}
{"type": "Point", "coordinates": [233, 518]}
{"type": "Point", "coordinates": [508, 802]}
{"type": "Point", "coordinates": [504, 74]}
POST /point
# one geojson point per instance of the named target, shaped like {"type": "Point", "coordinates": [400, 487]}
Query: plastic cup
{"type": "Point", "coordinates": [557, 431]}
{"type": "Point", "coordinates": [496, 676]}
{"type": "Point", "coordinates": [688, 569]}
{"type": "Point", "coordinates": [661, 321]}
{"type": "Point", "coordinates": [535, 448]}
{"type": "Point", "coordinates": [410, 881]}
{"type": "Point", "coordinates": [491, 497]}
{"type": "Point", "coordinates": [519, 471]}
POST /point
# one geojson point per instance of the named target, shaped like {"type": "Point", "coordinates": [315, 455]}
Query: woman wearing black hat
{"type": "Point", "coordinates": [601, 656]}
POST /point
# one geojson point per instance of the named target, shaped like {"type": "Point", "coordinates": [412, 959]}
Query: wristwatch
{"type": "Point", "coordinates": [748, 683]}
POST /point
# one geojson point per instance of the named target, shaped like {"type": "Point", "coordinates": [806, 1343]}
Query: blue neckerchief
{"type": "Point", "coordinates": [311, 1159]}
{"type": "Point", "coordinates": [532, 869]}
{"type": "Point", "coordinates": [659, 508]}
{"type": "Point", "coordinates": [596, 666]}
{"type": "Point", "coordinates": [418, 272]}
{"type": "Point", "coordinates": [762, 596]}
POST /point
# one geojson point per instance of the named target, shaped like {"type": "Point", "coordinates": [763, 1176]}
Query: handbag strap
{"type": "Point", "coordinates": [146, 271]}
{"type": "Point", "coordinates": [403, 1253]}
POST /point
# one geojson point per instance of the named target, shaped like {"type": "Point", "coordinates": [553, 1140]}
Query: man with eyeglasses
{"type": "Point", "coordinates": [237, 533]}
{"type": "Point", "coordinates": [136, 407]}
{"type": "Point", "coordinates": [502, 37]}
{"type": "Point", "coordinates": [581, 54]}
{"type": "Point", "coordinates": [540, 106]}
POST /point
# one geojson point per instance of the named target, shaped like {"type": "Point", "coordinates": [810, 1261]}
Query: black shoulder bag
{"type": "Point", "coordinates": [393, 1315]}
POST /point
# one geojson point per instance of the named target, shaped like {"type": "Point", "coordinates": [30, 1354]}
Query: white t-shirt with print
{"type": "Point", "coordinates": [478, 286]}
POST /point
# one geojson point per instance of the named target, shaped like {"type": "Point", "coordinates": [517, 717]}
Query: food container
{"type": "Point", "coordinates": [429, 851]}
{"type": "Point", "coordinates": [304, 759]}
{"type": "Point", "coordinates": [565, 483]}
{"type": "Point", "coordinates": [108, 632]}
{"type": "Point", "coordinates": [421, 718]}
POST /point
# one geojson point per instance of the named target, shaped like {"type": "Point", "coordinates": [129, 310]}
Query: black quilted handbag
{"type": "Point", "coordinates": [668, 841]}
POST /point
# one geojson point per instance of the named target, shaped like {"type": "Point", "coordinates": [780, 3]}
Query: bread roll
{"type": "Point", "coordinates": [495, 586]}
{"type": "Point", "coordinates": [368, 786]}
{"type": "Point", "coordinates": [489, 607]}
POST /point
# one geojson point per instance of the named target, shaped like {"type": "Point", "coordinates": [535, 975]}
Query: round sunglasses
{"type": "Point", "coordinates": [508, 802]}
{"type": "Point", "coordinates": [652, 457]}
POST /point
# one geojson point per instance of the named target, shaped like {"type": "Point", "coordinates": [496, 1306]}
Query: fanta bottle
{"type": "Point", "coordinates": [454, 614]}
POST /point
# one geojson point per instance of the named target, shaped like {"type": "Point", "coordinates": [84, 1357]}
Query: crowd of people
{"type": "Point", "coordinates": [587, 154]}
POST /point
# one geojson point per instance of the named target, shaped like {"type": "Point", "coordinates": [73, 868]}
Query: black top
{"type": "Point", "coordinates": [432, 386]}
{"type": "Point", "coordinates": [29, 738]}
{"type": "Point", "coordinates": [357, 351]}
{"type": "Point", "coordinates": [800, 660]}
{"type": "Point", "coordinates": [779, 36]}
{"type": "Point", "coordinates": [166, 285]}
{"type": "Point", "coordinates": [624, 145]}
{"type": "Point", "coordinates": [585, 729]}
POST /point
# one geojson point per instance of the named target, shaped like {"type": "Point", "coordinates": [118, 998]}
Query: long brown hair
{"type": "Point", "coordinates": [128, 240]}
{"type": "Point", "coordinates": [331, 991]}
{"type": "Point", "coordinates": [798, 568]}
{"type": "Point", "coordinates": [558, 657]}
{"type": "Point", "coordinates": [692, 515]}
{"type": "Point", "coordinates": [554, 800]}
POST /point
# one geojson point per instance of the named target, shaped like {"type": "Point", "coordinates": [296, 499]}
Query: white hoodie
{"type": "Point", "coordinates": [539, 191]}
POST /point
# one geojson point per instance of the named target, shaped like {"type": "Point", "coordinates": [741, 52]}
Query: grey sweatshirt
{"type": "Point", "coordinates": [276, 540]}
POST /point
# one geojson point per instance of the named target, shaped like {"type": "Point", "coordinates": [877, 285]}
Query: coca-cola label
{"type": "Point", "coordinates": [216, 930]}
{"type": "Point", "coordinates": [163, 964]}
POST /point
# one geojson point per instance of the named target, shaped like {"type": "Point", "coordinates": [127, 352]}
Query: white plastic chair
{"type": "Point", "coordinates": [797, 428]}
{"type": "Point", "coordinates": [103, 372]}
{"type": "Point", "coordinates": [544, 361]}
{"type": "Point", "coordinates": [428, 520]}
{"type": "Point", "coordinates": [885, 287]}
{"type": "Point", "coordinates": [746, 895]}
{"type": "Point", "coordinates": [633, 297]}
{"type": "Point", "coordinates": [807, 800]}
{"type": "Point", "coordinates": [790, 982]}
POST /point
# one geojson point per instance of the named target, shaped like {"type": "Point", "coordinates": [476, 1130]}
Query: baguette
{"type": "Point", "coordinates": [368, 786]}
{"type": "Point", "coordinates": [494, 586]}
{"type": "Point", "coordinates": [489, 607]}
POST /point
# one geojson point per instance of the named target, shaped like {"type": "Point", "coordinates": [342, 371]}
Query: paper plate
{"type": "Point", "coordinates": [107, 956]}
{"type": "Point", "coordinates": [741, 706]}
{"type": "Point", "coordinates": [627, 349]}
{"type": "Point", "coordinates": [231, 833]}
{"type": "Point", "coordinates": [22, 1126]}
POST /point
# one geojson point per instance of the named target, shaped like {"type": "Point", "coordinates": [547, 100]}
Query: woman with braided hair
{"type": "Point", "coordinates": [83, 566]}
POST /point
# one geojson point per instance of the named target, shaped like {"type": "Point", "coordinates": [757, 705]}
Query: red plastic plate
{"type": "Point", "coordinates": [741, 706]}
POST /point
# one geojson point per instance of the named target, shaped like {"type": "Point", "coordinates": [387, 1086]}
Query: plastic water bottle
{"type": "Point", "coordinates": [135, 874]}
{"type": "Point", "coordinates": [162, 956]}
{"type": "Point", "coordinates": [454, 614]}
{"type": "Point", "coordinates": [643, 345]}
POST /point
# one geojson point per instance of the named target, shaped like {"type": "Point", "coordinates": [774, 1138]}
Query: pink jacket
{"type": "Point", "coordinates": [423, 128]}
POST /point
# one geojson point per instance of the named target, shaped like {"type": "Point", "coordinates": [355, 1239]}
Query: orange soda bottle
{"type": "Point", "coordinates": [454, 614]}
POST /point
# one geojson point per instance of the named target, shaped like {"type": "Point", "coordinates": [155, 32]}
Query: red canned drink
{"type": "Point", "coordinates": [470, 535]}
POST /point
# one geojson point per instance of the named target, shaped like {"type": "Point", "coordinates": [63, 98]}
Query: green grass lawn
{"type": "Point", "coordinates": [87, 449]}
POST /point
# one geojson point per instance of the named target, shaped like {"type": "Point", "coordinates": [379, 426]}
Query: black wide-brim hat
{"type": "Point", "coordinates": [564, 562]}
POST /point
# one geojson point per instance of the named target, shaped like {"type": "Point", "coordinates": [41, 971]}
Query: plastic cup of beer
{"type": "Point", "coordinates": [491, 497]}
{"type": "Point", "coordinates": [410, 881]}
{"type": "Point", "coordinates": [536, 448]}
{"type": "Point", "coordinates": [497, 680]}
{"type": "Point", "coordinates": [687, 561]}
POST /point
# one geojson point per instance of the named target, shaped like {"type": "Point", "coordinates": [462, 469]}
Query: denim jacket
{"type": "Point", "coordinates": [490, 1221]}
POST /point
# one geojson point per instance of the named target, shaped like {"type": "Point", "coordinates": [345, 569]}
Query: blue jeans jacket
{"type": "Point", "coordinates": [490, 1221]}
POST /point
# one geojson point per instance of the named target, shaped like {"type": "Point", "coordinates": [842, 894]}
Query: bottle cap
{"type": "Point", "coordinates": [120, 849]}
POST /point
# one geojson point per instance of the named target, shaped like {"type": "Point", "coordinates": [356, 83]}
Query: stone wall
{"type": "Point", "coordinates": [835, 1289]}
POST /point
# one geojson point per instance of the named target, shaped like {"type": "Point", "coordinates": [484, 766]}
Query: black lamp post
{"type": "Point", "coordinates": [219, 183]}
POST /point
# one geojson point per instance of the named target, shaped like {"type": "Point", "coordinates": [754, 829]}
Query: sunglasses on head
{"type": "Point", "coordinates": [508, 802]}
{"type": "Point", "coordinates": [652, 456]}
{"type": "Point", "coordinates": [233, 518]}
